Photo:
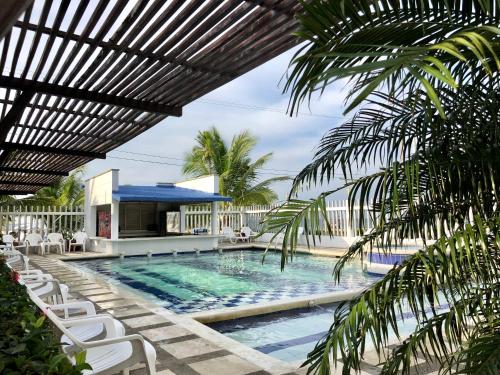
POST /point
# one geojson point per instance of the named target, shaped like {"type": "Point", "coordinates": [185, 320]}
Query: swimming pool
{"type": "Point", "coordinates": [291, 335]}
{"type": "Point", "coordinates": [189, 283]}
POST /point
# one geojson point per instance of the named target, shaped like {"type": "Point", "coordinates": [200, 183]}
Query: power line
{"type": "Point", "coordinates": [181, 165]}
{"type": "Point", "coordinates": [173, 164]}
{"type": "Point", "coordinates": [172, 158]}
{"type": "Point", "coordinates": [267, 109]}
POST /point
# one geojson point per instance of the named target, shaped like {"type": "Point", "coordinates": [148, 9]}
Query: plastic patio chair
{"type": "Point", "coordinates": [8, 240]}
{"type": "Point", "coordinates": [248, 233]}
{"type": "Point", "coordinates": [109, 355]}
{"type": "Point", "coordinates": [55, 239]}
{"type": "Point", "coordinates": [99, 325]}
{"type": "Point", "coordinates": [15, 256]}
{"type": "Point", "coordinates": [229, 235]}
{"type": "Point", "coordinates": [35, 240]}
{"type": "Point", "coordinates": [80, 240]}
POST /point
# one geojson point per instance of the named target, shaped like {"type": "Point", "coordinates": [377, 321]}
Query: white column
{"type": "Point", "coordinates": [90, 221]}
{"type": "Point", "coordinates": [215, 218]}
{"type": "Point", "coordinates": [182, 219]}
{"type": "Point", "coordinates": [115, 219]}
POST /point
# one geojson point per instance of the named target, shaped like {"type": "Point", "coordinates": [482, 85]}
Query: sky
{"type": "Point", "coordinates": [292, 140]}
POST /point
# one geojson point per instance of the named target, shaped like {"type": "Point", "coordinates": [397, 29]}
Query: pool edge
{"type": "Point", "coordinates": [244, 311]}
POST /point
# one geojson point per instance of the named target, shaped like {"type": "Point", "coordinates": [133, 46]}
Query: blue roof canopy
{"type": "Point", "coordinates": [165, 193]}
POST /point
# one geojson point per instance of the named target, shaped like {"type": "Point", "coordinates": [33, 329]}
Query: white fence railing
{"type": "Point", "coordinates": [71, 219]}
{"type": "Point", "coordinates": [26, 219]}
{"type": "Point", "coordinates": [236, 217]}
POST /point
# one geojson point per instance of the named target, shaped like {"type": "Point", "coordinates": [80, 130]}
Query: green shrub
{"type": "Point", "coordinates": [27, 341]}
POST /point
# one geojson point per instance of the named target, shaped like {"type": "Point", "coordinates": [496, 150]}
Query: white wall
{"type": "Point", "coordinates": [208, 184]}
{"type": "Point", "coordinates": [100, 188]}
{"type": "Point", "coordinates": [98, 191]}
{"type": "Point", "coordinates": [155, 245]}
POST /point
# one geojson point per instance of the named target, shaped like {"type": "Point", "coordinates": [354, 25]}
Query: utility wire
{"type": "Point", "coordinates": [172, 164]}
{"type": "Point", "coordinates": [181, 165]}
{"type": "Point", "coordinates": [267, 109]}
{"type": "Point", "coordinates": [172, 158]}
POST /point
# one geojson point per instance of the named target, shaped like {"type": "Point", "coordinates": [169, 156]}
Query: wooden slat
{"type": "Point", "coordinates": [108, 71]}
{"type": "Point", "coordinates": [9, 13]}
{"type": "Point", "coordinates": [69, 92]}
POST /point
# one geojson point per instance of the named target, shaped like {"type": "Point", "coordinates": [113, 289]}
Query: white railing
{"type": "Point", "coordinates": [70, 219]}
{"type": "Point", "coordinates": [236, 217]}
{"type": "Point", "coordinates": [41, 219]}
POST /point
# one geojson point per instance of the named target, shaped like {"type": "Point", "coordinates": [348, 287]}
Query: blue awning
{"type": "Point", "coordinates": [168, 193]}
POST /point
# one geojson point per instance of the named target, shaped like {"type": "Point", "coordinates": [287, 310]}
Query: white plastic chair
{"type": "Point", "coordinates": [35, 240]}
{"type": "Point", "coordinates": [14, 256]}
{"type": "Point", "coordinates": [80, 240]}
{"type": "Point", "coordinates": [45, 286]}
{"type": "Point", "coordinates": [55, 239]}
{"type": "Point", "coordinates": [248, 233]}
{"type": "Point", "coordinates": [99, 325]}
{"type": "Point", "coordinates": [110, 355]}
{"type": "Point", "coordinates": [229, 235]}
{"type": "Point", "coordinates": [8, 240]}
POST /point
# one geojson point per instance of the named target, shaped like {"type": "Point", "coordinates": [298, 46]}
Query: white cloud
{"type": "Point", "coordinates": [291, 139]}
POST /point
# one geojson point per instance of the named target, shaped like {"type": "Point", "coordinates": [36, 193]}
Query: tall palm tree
{"type": "Point", "coordinates": [239, 175]}
{"type": "Point", "coordinates": [426, 75]}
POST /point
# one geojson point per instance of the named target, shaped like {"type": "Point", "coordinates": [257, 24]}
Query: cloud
{"type": "Point", "coordinates": [291, 139]}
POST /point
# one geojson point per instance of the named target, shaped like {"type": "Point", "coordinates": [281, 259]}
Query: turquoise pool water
{"type": "Point", "coordinates": [188, 283]}
{"type": "Point", "coordinates": [291, 335]}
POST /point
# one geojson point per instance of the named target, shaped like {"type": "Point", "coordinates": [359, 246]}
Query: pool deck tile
{"type": "Point", "coordinates": [227, 365]}
{"type": "Point", "coordinates": [190, 348]}
{"type": "Point", "coordinates": [104, 297]}
{"type": "Point", "coordinates": [145, 321]}
{"type": "Point", "coordinates": [128, 311]}
{"type": "Point", "coordinates": [115, 303]}
{"type": "Point", "coordinates": [93, 292]}
{"type": "Point", "coordinates": [165, 333]}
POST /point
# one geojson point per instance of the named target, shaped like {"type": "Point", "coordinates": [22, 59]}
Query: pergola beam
{"type": "Point", "coordinates": [10, 12]}
{"type": "Point", "coordinates": [15, 192]}
{"type": "Point", "coordinates": [33, 171]}
{"type": "Point", "coordinates": [10, 146]}
{"type": "Point", "coordinates": [24, 183]}
{"type": "Point", "coordinates": [92, 96]}
{"type": "Point", "coordinates": [15, 112]}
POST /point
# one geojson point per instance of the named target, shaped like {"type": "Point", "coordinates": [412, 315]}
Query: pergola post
{"type": "Point", "coordinates": [214, 218]}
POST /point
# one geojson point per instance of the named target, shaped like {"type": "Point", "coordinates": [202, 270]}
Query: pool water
{"type": "Point", "coordinates": [189, 283]}
{"type": "Point", "coordinates": [291, 335]}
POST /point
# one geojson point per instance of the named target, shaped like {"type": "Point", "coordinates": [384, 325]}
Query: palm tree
{"type": "Point", "coordinates": [239, 175]}
{"type": "Point", "coordinates": [426, 75]}
{"type": "Point", "coordinates": [68, 191]}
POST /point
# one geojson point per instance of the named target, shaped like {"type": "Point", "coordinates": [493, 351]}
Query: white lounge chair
{"type": "Point", "coordinates": [15, 256]}
{"type": "Point", "coordinates": [55, 239]}
{"type": "Point", "coordinates": [80, 240]}
{"type": "Point", "coordinates": [110, 355]}
{"type": "Point", "coordinates": [34, 240]}
{"type": "Point", "coordinates": [45, 287]}
{"type": "Point", "coordinates": [99, 325]}
{"type": "Point", "coordinates": [229, 235]}
{"type": "Point", "coordinates": [248, 233]}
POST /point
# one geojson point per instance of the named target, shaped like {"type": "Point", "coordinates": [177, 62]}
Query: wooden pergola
{"type": "Point", "coordinates": [80, 78]}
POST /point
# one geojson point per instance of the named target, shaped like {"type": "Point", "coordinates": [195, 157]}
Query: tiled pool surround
{"type": "Point", "coordinates": [190, 283]}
